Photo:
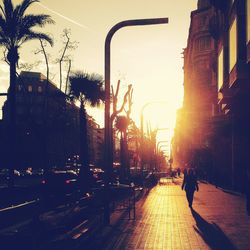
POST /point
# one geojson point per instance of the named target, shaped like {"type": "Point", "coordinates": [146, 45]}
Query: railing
{"type": "Point", "coordinates": [123, 199]}
{"type": "Point", "coordinates": [82, 219]}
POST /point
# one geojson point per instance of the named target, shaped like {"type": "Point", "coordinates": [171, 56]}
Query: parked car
{"type": "Point", "coordinates": [60, 182]}
{"type": "Point", "coordinates": [5, 173]}
{"type": "Point", "coordinates": [17, 173]}
{"type": "Point", "coordinates": [98, 176]}
{"type": "Point", "coordinates": [38, 172]}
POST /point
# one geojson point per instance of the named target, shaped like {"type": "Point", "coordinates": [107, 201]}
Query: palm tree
{"type": "Point", "coordinates": [16, 29]}
{"type": "Point", "coordinates": [87, 89]}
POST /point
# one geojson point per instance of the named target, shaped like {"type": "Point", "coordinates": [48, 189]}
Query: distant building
{"type": "Point", "coordinates": [96, 142]}
{"type": "Point", "coordinates": [46, 123]}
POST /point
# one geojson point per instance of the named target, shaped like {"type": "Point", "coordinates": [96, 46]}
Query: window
{"type": "Point", "coordinates": [203, 43]}
{"type": "Point", "coordinates": [201, 65]}
{"type": "Point", "coordinates": [220, 69]}
{"type": "Point", "coordinates": [248, 21]}
{"type": "Point", "coordinates": [29, 88]}
{"type": "Point", "coordinates": [233, 45]}
{"type": "Point", "coordinates": [202, 21]}
{"type": "Point", "coordinates": [40, 89]}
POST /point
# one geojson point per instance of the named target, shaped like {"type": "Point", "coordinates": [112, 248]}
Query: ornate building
{"type": "Point", "coordinates": [200, 91]}
{"type": "Point", "coordinates": [212, 129]}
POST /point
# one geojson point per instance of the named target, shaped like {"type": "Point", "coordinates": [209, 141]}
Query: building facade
{"type": "Point", "coordinates": [95, 142]}
{"type": "Point", "coordinates": [47, 125]}
{"type": "Point", "coordinates": [216, 116]}
{"type": "Point", "coordinates": [191, 142]}
{"type": "Point", "coordinates": [233, 82]}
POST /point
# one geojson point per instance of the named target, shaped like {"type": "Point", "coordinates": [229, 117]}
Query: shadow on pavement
{"type": "Point", "coordinates": [212, 234]}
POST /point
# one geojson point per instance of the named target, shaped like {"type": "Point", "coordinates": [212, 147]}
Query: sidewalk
{"type": "Point", "coordinates": [164, 221]}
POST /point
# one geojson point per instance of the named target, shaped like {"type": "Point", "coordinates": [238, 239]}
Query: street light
{"type": "Point", "coordinates": [142, 110]}
{"type": "Point", "coordinates": [108, 126]}
{"type": "Point", "coordinates": [142, 125]}
{"type": "Point", "coordinates": [163, 146]}
{"type": "Point", "coordinates": [160, 142]}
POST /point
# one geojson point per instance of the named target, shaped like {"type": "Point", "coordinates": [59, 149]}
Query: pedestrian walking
{"type": "Point", "coordinates": [184, 173]}
{"type": "Point", "coordinates": [179, 172]}
{"type": "Point", "coordinates": [190, 184]}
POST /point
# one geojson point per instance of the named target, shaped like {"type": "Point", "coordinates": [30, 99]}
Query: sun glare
{"type": "Point", "coordinates": [160, 116]}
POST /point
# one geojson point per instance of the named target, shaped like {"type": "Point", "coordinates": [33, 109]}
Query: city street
{"type": "Point", "coordinates": [124, 125]}
{"type": "Point", "coordinates": [164, 221]}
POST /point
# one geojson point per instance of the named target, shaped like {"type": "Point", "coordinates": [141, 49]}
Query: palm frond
{"type": "Point", "coordinates": [7, 9]}
{"type": "Point", "coordinates": [21, 8]}
{"type": "Point", "coordinates": [17, 28]}
{"type": "Point", "coordinates": [88, 86]}
{"type": "Point", "coordinates": [2, 10]}
{"type": "Point", "coordinates": [31, 35]}
{"type": "Point", "coordinates": [2, 23]}
{"type": "Point", "coordinates": [121, 123]}
{"type": "Point", "coordinates": [4, 41]}
{"type": "Point", "coordinates": [30, 21]}
{"type": "Point", "coordinates": [2, 19]}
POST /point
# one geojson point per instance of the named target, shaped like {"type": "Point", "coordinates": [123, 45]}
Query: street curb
{"type": "Point", "coordinates": [231, 192]}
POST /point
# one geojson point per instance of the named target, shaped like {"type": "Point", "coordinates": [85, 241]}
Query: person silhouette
{"type": "Point", "coordinates": [190, 184]}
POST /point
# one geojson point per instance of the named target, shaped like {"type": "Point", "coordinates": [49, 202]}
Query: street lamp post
{"type": "Point", "coordinates": [159, 147]}
{"type": "Point", "coordinates": [108, 126]}
{"type": "Point", "coordinates": [163, 146]}
{"type": "Point", "coordinates": [142, 135]}
{"type": "Point", "coordinates": [142, 130]}
{"type": "Point", "coordinates": [160, 142]}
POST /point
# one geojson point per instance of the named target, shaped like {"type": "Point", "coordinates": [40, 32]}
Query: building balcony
{"type": "Point", "coordinates": [239, 77]}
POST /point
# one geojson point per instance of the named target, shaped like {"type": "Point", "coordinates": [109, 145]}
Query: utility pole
{"type": "Point", "coordinates": [108, 126]}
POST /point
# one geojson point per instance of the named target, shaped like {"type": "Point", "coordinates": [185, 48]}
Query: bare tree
{"type": "Point", "coordinates": [68, 45]}
{"type": "Point", "coordinates": [42, 50]}
{"type": "Point", "coordinates": [115, 94]}
{"type": "Point", "coordinates": [67, 77]}
{"type": "Point", "coordinates": [122, 121]}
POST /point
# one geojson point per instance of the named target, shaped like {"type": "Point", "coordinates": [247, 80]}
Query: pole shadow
{"type": "Point", "coordinates": [212, 234]}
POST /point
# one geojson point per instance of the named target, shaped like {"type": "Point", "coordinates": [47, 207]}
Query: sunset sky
{"type": "Point", "coordinates": [148, 57]}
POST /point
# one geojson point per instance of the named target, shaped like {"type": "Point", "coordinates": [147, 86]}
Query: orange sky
{"type": "Point", "coordinates": [147, 57]}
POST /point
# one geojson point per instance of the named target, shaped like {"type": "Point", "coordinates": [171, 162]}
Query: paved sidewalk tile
{"type": "Point", "coordinates": [164, 221]}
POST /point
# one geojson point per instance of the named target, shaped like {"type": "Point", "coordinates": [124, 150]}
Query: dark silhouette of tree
{"type": "Point", "coordinates": [16, 28]}
{"type": "Point", "coordinates": [87, 89]}
{"type": "Point", "coordinates": [127, 99]}
{"type": "Point", "coordinates": [68, 45]}
{"type": "Point", "coordinates": [122, 124]}
{"type": "Point", "coordinates": [134, 136]}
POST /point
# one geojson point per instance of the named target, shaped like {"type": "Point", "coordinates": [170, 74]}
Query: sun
{"type": "Point", "coordinates": [159, 116]}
